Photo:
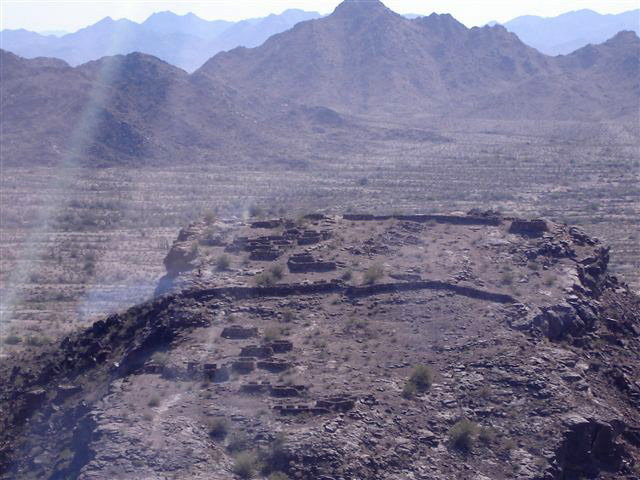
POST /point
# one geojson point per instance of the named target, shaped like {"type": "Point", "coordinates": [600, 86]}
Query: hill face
{"type": "Point", "coordinates": [123, 109]}
{"type": "Point", "coordinates": [571, 31]}
{"type": "Point", "coordinates": [366, 58]}
{"type": "Point", "coordinates": [186, 41]}
{"type": "Point", "coordinates": [434, 346]}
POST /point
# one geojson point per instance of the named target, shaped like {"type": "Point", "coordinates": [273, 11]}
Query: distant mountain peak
{"type": "Point", "coordinates": [359, 7]}
{"type": "Point", "coordinates": [106, 20]}
{"type": "Point", "coordinates": [624, 37]}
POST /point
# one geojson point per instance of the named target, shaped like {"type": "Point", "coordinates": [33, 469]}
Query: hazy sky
{"type": "Point", "coordinates": [72, 15]}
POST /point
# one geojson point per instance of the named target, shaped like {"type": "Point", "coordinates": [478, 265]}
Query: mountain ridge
{"type": "Point", "coordinates": [185, 41]}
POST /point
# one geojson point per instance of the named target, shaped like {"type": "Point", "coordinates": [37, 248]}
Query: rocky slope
{"type": "Point", "coordinates": [419, 346]}
{"type": "Point", "coordinates": [119, 110]}
{"type": "Point", "coordinates": [366, 58]}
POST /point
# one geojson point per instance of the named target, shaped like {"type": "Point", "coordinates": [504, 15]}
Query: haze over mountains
{"type": "Point", "coordinates": [362, 60]}
{"type": "Point", "coordinates": [572, 30]}
{"type": "Point", "coordinates": [187, 41]}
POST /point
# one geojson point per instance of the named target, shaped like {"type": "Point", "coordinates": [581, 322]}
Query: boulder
{"type": "Point", "coordinates": [181, 258]}
{"type": "Point", "coordinates": [589, 447]}
{"type": "Point", "coordinates": [558, 321]}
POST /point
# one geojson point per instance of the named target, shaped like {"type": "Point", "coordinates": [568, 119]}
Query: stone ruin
{"type": "Point", "coordinates": [270, 247]}
{"type": "Point", "coordinates": [310, 237]}
{"type": "Point", "coordinates": [244, 365]}
{"type": "Point", "coordinates": [255, 388]}
{"type": "Point", "coordinates": [300, 410]}
{"type": "Point", "coordinates": [212, 372]}
{"type": "Point", "coordinates": [238, 332]}
{"type": "Point", "coordinates": [268, 224]}
{"type": "Point", "coordinates": [528, 228]}
{"type": "Point", "coordinates": [305, 263]}
{"type": "Point", "coordinates": [339, 403]}
{"type": "Point", "coordinates": [284, 391]}
{"type": "Point", "coordinates": [280, 346]}
{"type": "Point", "coordinates": [278, 391]}
{"type": "Point", "coordinates": [264, 248]}
{"type": "Point", "coordinates": [335, 404]}
{"type": "Point", "coordinates": [274, 365]}
{"type": "Point", "coordinates": [257, 351]}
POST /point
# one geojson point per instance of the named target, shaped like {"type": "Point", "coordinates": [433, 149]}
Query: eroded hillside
{"type": "Point", "coordinates": [407, 346]}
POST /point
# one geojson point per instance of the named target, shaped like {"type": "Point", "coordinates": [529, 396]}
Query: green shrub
{"type": "Point", "coordinates": [462, 435]}
{"type": "Point", "coordinates": [409, 390]}
{"type": "Point", "coordinates": [153, 402]}
{"type": "Point", "coordinates": [256, 211]}
{"type": "Point", "coordinates": [219, 428]}
{"type": "Point", "coordinates": [287, 315]}
{"type": "Point", "coordinates": [277, 271]}
{"type": "Point", "coordinates": [487, 435]}
{"type": "Point", "coordinates": [346, 276]}
{"type": "Point", "coordinates": [278, 476]}
{"type": "Point", "coordinates": [245, 465]}
{"type": "Point", "coordinates": [237, 442]}
{"type": "Point", "coordinates": [223, 262]}
{"type": "Point", "coordinates": [36, 341]}
{"type": "Point", "coordinates": [275, 458]}
{"type": "Point", "coordinates": [209, 217]}
{"type": "Point", "coordinates": [373, 274]}
{"type": "Point", "coordinates": [507, 278]}
{"type": "Point", "coordinates": [161, 358]}
{"type": "Point", "coordinates": [12, 340]}
{"type": "Point", "coordinates": [264, 279]}
{"type": "Point", "coordinates": [422, 377]}
{"type": "Point", "coordinates": [272, 333]}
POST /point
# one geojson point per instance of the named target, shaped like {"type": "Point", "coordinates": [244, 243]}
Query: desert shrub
{"type": "Point", "coordinates": [507, 278]}
{"type": "Point", "coordinates": [277, 271]}
{"type": "Point", "coordinates": [264, 279]}
{"type": "Point", "coordinates": [409, 390]}
{"type": "Point", "coordinates": [462, 435]}
{"type": "Point", "coordinates": [278, 476]}
{"type": "Point", "coordinates": [36, 341]}
{"type": "Point", "coordinates": [373, 274]}
{"type": "Point", "coordinates": [209, 217]}
{"type": "Point", "coordinates": [509, 444]}
{"type": "Point", "coordinates": [161, 358]}
{"type": "Point", "coordinates": [422, 377]}
{"type": "Point", "coordinates": [223, 262]}
{"type": "Point", "coordinates": [245, 465]}
{"type": "Point", "coordinates": [275, 458]}
{"type": "Point", "coordinates": [153, 402]}
{"type": "Point", "coordinates": [256, 211]}
{"type": "Point", "coordinates": [219, 428]}
{"type": "Point", "coordinates": [272, 333]}
{"type": "Point", "coordinates": [287, 315]}
{"type": "Point", "coordinates": [12, 340]}
{"type": "Point", "coordinates": [363, 181]}
{"type": "Point", "coordinates": [237, 441]}
{"type": "Point", "coordinates": [487, 435]}
{"type": "Point", "coordinates": [485, 392]}
{"type": "Point", "coordinates": [346, 276]}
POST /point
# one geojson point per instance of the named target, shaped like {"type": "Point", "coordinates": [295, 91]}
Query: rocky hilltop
{"type": "Point", "coordinates": [380, 347]}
